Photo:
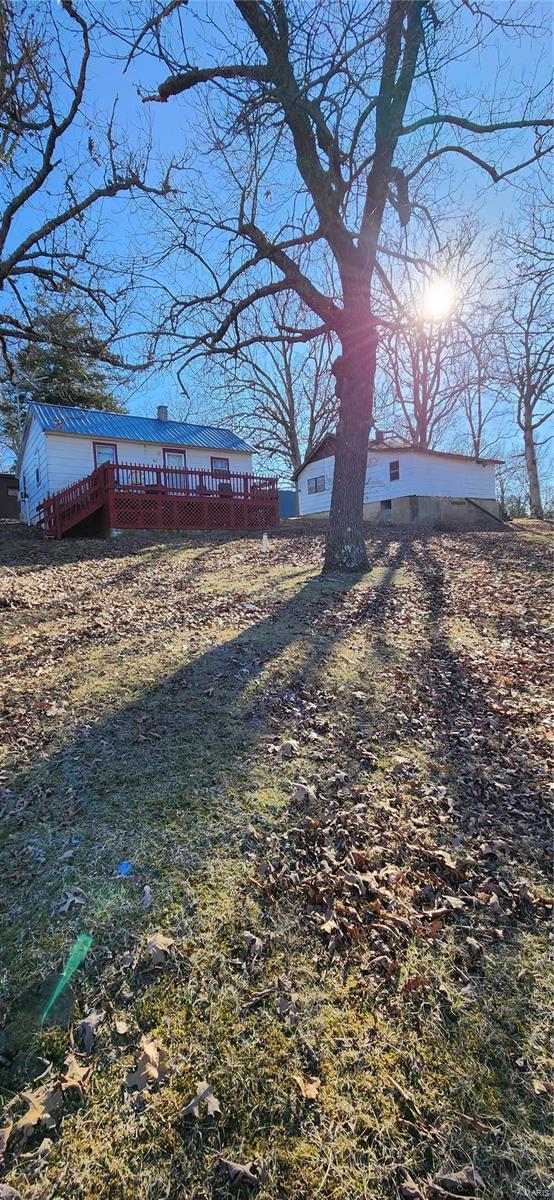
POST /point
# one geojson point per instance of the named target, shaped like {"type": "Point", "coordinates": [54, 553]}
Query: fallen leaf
{"type": "Point", "coordinates": [121, 1027]}
{"type": "Point", "coordinates": [45, 1104]}
{"type": "Point", "coordinates": [255, 999]}
{"type": "Point", "coordinates": [4, 1136]}
{"type": "Point", "coordinates": [240, 1173]}
{"type": "Point", "coordinates": [254, 943]}
{"type": "Point", "coordinates": [151, 1067]}
{"type": "Point", "coordinates": [146, 899]}
{"type": "Point", "coordinates": [87, 1029]}
{"type": "Point", "coordinates": [204, 1095]}
{"type": "Point", "coordinates": [309, 1085]}
{"type": "Point", "coordinates": [159, 946]}
{"type": "Point", "coordinates": [8, 1193]}
{"type": "Point", "coordinates": [288, 748]}
{"type": "Point", "coordinates": [74, 1075]}
{"type": "Point", "coordinates": [465, 1182]}
{"type": "Point", "coordinates": [409, 1189]}
{"type": "Point", "coordinates": [74, 895]}
{"type": "Point", "coordinates": [301, 794]}
{"type": "Point", "coordinates": [540, 1088]}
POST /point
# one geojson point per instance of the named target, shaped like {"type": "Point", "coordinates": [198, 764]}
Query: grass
{"type": "Point", "coordinates": [148, 688]}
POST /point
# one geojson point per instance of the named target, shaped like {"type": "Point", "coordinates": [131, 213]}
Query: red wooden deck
{"type": "Point", "coordinates": [133, 496]}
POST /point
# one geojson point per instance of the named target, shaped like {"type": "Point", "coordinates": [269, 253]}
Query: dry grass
{"type": "Point", "coordinates": [145, 687]}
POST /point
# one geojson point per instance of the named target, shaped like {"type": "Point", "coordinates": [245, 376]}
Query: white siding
{"type": "Point", "coordinates": [70, 458]}
{"type": "Point", "coordinates": [34, 458]}
{"type": "Point", "coordinates": [315, 501]}
{"type": "Point", "coordinates": [420, 475]}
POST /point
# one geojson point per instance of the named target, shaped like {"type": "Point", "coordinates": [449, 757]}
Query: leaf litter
{"type": "Point", "coordinates": [374, 870]}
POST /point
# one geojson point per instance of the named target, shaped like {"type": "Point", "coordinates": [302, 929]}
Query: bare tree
{"type": "Point", "coordinates": [528, 339]}
{"type": "Point", "coordinates": [323, 120]}
{"type": "Point", "coordinates": [56, 167]}
{"type": "Point", "coordinates": [279, 395]}
{"type": "Point", "coordinates": [438, 351]}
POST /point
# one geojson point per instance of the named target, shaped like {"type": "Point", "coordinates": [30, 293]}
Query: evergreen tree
{"type": "Point", "coordinates": [64, 367]}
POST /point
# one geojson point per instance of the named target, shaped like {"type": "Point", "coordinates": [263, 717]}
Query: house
{"type": "Point", "coordinates": [9, 505]}
{"type": "Point", "coordinates": [87, 471]}
{"type": "Point", "coordinates": [406, 485]}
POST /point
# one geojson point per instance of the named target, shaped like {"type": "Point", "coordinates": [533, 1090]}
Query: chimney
{"type": "Point", "coordinates": [379, 437]}
{"type": "Point", "coordinates": [162, 412]}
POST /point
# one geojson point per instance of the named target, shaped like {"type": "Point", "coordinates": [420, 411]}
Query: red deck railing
{"type": "Point", "coordinates": [135, 496]}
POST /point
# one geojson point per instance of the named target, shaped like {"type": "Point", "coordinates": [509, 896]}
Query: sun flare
{"type": "Point", "coordinates": [438, 300]}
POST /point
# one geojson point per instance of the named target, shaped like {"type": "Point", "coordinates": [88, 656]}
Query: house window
{"type": "Point", "coordinates": [174, 458]}
{"type": "Point", "coordinates": [220, 464]}
{"type": "Point", "coordinates": [394, 470]}
{"type": "Point", "coordinates": [104, 452]}
{"type": "Point", "coordinates": [37, 467]}
{"type": "Point", "coordinates": [386, 504]}
{"type": "Point", "coordinates": [317, 484]}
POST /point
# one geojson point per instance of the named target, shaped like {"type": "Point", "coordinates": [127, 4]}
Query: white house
{"type": "Point", "coordinates": [175, 463]}
{"type": "Point", "coordinates": [406, 485]}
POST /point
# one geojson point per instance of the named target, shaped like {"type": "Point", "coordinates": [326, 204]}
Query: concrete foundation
{"type": "Point", "coordinates": [440, 512]}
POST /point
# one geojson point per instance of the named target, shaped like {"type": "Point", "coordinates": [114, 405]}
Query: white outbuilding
{"type": "Point", "coordinates": [407, 485]}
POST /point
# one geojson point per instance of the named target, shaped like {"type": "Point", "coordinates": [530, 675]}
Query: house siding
{"type": "Point", "coordinates": [34, 454]}
{"type": "Point", "coordinates": [70, 458]}
{"type": "Point", "coordinates": [419, 475]}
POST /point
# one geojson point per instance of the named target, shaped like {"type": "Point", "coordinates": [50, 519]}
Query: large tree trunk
{"type": "Point", "coordinates": [354, 371]}
{"type": "Point", "coordinates": [535, 502]}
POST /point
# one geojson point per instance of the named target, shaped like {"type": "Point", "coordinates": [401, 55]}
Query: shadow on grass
{"type": "Point", "coordinates": [178, 768]}
{"type": "Point", "coordinates": [503, 785]}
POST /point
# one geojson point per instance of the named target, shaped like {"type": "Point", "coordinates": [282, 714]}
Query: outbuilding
{"type": "Point", "coordinates": [9, 504]}
{"type": "Point", "coordinates": [407, 485]}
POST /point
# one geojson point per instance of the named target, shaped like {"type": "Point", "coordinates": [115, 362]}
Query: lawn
{"type": "Point", "coordinates": [303, 824]}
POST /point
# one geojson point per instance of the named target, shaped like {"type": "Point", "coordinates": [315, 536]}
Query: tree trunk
{"type": "Point", "coordinates": [354, 372]}
{"type": "Point", "coordinates": [535, 502]}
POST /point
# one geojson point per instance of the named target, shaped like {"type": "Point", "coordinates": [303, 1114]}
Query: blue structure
{"type": "Point", "coordinates": [288, 503]}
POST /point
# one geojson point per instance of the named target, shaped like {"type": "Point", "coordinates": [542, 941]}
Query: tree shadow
{"type": "Point", "coordinates": [21, 546]}
{"type": "Point", "coordinates": [490, 764]}
{"type": "Point", "coordinates": [182, 759]}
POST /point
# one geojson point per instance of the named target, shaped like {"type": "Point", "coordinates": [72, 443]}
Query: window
{"type": "Point", "coordinates": [104, 452]}
{"type": "Point", "coordinates": [394, 470]}
{"type": "Point", "coordinates": [174, 458]}
{"type": "Point", "coordinates": [12, 491]}
{"type": "Point", "coordinates": [317, 484]}
{"type": "Point", "coordinates": [386, 504]}
{"type": "Point", "coordinates": [220, 464]}
{"type": "Point", "coordinates": [37, 467]}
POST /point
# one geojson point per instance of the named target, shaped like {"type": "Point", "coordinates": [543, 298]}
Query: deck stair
{"type": "Point", "coordinates": [66, 508]}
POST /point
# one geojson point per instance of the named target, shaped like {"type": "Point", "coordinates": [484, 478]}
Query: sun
{"type": "Point", "coordinates": [438, 300]}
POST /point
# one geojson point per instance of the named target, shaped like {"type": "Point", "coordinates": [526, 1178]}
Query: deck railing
{"type": "Point", "coordinates": [136, 496]}
{"type": "Point", "coordinates": [184, 481]}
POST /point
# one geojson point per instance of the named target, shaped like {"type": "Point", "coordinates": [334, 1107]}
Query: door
{"type": "Point", "coordinates": [175, 461]}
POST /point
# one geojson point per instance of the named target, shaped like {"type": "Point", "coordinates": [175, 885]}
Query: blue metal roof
{"type": "Point", "coordinates": [93, 422]}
